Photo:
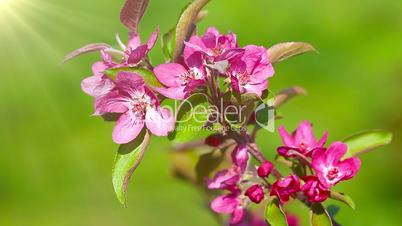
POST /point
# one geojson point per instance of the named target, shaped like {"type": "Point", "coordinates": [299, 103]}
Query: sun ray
{"type": "Point", "coordinates": [23, 35]}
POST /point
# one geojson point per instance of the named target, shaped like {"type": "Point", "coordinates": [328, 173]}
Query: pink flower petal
{"type": "Point", "coordinates": [176, 93]}
{"type": "Point", "coordinates": [252, 57]}
{"type": "Point", "coordinates": [129, 80]}
{"type": "Point", "coordinates": [137, 54]}
{"type": "Point", "coordinates": [323, 140]}
{"type": "Point", "coordinates": [289, 151]}
{"type": "Point", "coordinates": [127, 128]}
{"type": "Point", "coordinates": [195, 44]}
{"type": "Point", "coordinates": [193, 84]}
{"type": "Point", "coordinates": [98, 68]}
{"type": "Point", "coordinates": [213, 30]}
{"type": "Point", "coordinates": [349, 167]}
{"type": "Point", "coordinates": [319, 159]}
{"type": "Point", "coordinates": [224, 179]}
{"type": "Point", "coordinates": [152, 40]}
{"type": "Point", "coordinates": [256, 88]}
{"type": "Point", "coordinates": [304, 134]}
{"type": "Point", "coordinates": [161, 122]}
{"type": "Point", "coordinates": [112, 102]}
{"type": "Point", "coordinates": [97, 86]}
{"type": "Point", "coordinates": [195, 60]}
{"type": "Point", "coordinates": [262, 73]}
{"type": "Point", "coordinates": [240, 157]}
{"type": "Point", "coordinates": [209, 40]}
{"type": "Point", "coordinates": [287, 139]}
{"type": "Point", "coordinates": [237, 215]}
{"type": "Point", "coordinates": [235, 84]}
{"type": "Point", "coordinates": [230, 54]}
{"type": "Point", "coordinates": [134, 40]}
{"type": "Point", "coordinates": [225, 203]}
{"type": "Point", "coordinates": [170, 74]}
{"type": "Point", "coordinates": [335, 152]}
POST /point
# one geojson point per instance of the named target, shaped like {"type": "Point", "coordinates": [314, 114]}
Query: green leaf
{"type": "Point", "coordinates": [201, 16]}
{"type": "Point", "coordinates": [343, 198]}
{"type": "Point", "coordinates": [127, 159]}
{"type": "Point", "coordinates": [148, 76]}
{"type": "Point", "coordinates": [168, 41]}
{"type": "Point", "coordinates": [185, 25]}
{"type": "Point", "coordinates": [191, 117]}
{"type": "Point", "coordinates": [282, 51]}
{"type": "Point", "coordinates": [319, 215]}
{"type": "Point", "coordinates": [274, 214]}
{"type": "Point", "coordinates": [366, 141]}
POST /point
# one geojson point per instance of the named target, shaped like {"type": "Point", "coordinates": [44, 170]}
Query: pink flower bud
{"type": "Point", "coordinates": [255, 193]}
{"type": "Point", "coordinates": [314, 190]}
{"type": "Point", "coordinates": [265, 169]}
{"type": "Point", "coordinates": [285, 187]}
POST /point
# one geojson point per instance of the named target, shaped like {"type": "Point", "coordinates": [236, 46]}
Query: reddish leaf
{"type": "Point", "coordinates": [86, 49]}
{"type": "Point", "coordinates": [132, 12]}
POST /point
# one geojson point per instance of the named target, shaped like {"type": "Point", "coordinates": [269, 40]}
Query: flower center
{"type": "Point", "coordinates": [192, 74]}
{"type": "Point", "coordinates": [139, 103]}
{"type": "Point", "coordinates": [332, 173]}
{"type": "Point", "coordinates": [244, 78]}
{"type": "Point", "coordinates": [218, 50]}
{"type": "Point", "coordinates": [303, 145]}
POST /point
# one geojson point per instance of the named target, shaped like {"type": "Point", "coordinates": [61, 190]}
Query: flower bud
{"type": "Point", "coordinates": [255, 193]}
{"type": "Point", "coordinates": [285, 187]}
{"type": "Point", "coordinates": [214, 140]}
{"type": "Point", "coordinates": [265, 169]}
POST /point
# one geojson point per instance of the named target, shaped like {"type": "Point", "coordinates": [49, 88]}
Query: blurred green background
{"type": "Point", "coordinates": [55, 160]}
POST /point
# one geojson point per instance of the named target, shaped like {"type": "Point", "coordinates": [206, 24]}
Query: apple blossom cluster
{"type": "Point", "coordinates": [129, 90]}
{"type": "Point", "coordinates": [246, 70]}
{"type": "Point", "coordinates": [325, 165]}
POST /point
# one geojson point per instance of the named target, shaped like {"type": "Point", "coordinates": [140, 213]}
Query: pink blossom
{"type": "Point", "coordinates": [181, 80]}
{"type": "Point", "coordinates": [225, 179]}
{"type": "Point", "coordinates": [329, 167]}
{"type": "Point", "coordinates": [285, 187]}
{"type": "Point", "coordinates": [265, 169]}
{"type": "Point", "coordinates": [98, 84]}
{"type": "Point", "coordinates": [302, 140]}
{"type": "Point", "coordinates": [213, 44]}
{"type": "Point", "coordinates": [134, 52]}
{"type": "Point", "coordinates": [138, 107]}
{"type": "Point", "coordinates": [314, 190]}
{"type": "Point", "coordinates": [230, 204]}
{"type": "Point", "coordinates": [130, 55]}
{"type": "Point", "coordinates": [250, 72]}
{"type": "Point", "coordinates": [228, 178]}
{"type": "Point", "coordinates": [255, 193]}
{"type": "Point", "coordinates": [240, 157]}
